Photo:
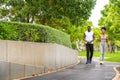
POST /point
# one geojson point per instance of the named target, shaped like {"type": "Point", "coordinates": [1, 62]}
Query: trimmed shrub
{"type": "Point", "coordinates": [33, 32]}
{"type": "Point", "coordinates": [74, 46]}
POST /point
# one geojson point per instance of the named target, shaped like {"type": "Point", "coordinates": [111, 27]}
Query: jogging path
{"type": "Point", "coordinates": [82, 71]}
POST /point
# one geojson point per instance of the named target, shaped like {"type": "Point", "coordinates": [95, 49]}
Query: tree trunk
{"type": "Point", "coordinates": [32, 19]}
{"type": "Point", "coordinates": [43, 20]}
{"type": "Point", "coordinates": [28, 18]}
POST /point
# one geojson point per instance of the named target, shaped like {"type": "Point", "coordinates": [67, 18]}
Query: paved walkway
{"type": "Point", "coordinates": [83, 71]}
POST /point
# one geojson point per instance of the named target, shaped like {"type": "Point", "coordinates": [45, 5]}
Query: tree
{"type": "Point", "coordinates": [43, 11]}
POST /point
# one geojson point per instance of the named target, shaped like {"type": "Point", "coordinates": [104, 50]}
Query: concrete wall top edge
{"type": "Point", "coordinates": [55, 44]}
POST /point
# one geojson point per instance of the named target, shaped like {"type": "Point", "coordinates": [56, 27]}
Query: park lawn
{"type": "Point", "coordinates": [112, 57]}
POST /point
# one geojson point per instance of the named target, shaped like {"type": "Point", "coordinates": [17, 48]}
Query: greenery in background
{"type": "Point", "coordinates": [34, 33]}
{"type": "Point", "coordinates": [74, 46]}
{"type": "Point", "coordinates": [111, 19]}
{"type": "Point", "coordinates": [113, 57]}
{"type": "Point", "coordinates": [97, 32]}
{"type": "Point", "coordinates": [76, 33]}
{"type": "Point", "coordinates": [43, 11]}
{"type": "Point", "coordinates": [69, 16]}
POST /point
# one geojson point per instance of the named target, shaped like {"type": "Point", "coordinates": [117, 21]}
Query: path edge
{"type": "Point", "coordinates": [117, 76]}
{"type": "Point", "coordinates": [49, 72]}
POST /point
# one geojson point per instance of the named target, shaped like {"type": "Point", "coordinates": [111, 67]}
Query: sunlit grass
{"type": "Point", "coordinates": [113, 57]}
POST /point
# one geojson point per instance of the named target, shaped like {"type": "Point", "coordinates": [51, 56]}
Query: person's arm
{"type": "Point", "coordinates": [106, 38]}
{"type": "Point", "coordinates": [99, 39]}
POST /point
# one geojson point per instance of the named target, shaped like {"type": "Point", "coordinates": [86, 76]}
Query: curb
{"type": "Point", "coordinates": [49, 72]}
{"type": "Point", "coordinates": [117, 76]}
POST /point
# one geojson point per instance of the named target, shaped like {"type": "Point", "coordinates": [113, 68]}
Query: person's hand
{"type": "Point", "coordinates": [98, 39]}
{"type": "Point", "coordinates": [88, 42]}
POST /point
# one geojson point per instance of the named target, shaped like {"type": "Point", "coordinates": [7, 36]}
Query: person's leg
{"type": "Point", "coordinates": [101, 52]}
{"type": "Point", "coordinates": [104, 47]}
{"type": "Point", "coordinates": [91, 52]}
{"type": "Point", "coordinates": [87, 53]}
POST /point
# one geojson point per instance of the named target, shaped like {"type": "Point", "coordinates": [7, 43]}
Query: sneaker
{"type": "Point", "coordinates": [90, 61]}
{"type": "Point", "coordinates": [101, 62]}
{"type": "Point", "coordinates": [87, 62]}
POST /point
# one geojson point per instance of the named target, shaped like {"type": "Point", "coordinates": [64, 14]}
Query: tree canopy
{"type": "Point", "coordinates": [42, 11]}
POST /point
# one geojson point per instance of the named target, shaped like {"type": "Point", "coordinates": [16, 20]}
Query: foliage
{"type": "Point", "coordinates": [69, 16]}
{"type": "Point", "coordinates": [76, 33]}
{"type": "Point", "coordinates": [53, 13]}
{"type": "Point", "coordinates": [34, 33]}
{"type": "Point", "coordinates": [7, 32]}
{"type": "Point", "coordinates": [74, 46]}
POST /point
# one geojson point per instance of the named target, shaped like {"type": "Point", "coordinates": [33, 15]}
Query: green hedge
{"type": "Point", "coordinates": [31, 32]}
{"type": "Point", "coordinates": [74, 46]}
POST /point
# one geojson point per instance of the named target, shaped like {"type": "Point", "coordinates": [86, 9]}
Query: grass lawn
{"type": "Point", "coordinates": [113, 57]}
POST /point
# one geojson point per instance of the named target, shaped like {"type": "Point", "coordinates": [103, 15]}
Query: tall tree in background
{"type": "Point", "coordinates": [111, 19]}
{"type": "Point", "coordinates": [44, 11]}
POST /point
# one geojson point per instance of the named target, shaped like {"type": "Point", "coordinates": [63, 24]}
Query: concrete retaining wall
{"type": "Point", "coordinates": [20, 59]}
{"type": "Point", "coordinates": [10, 71]}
